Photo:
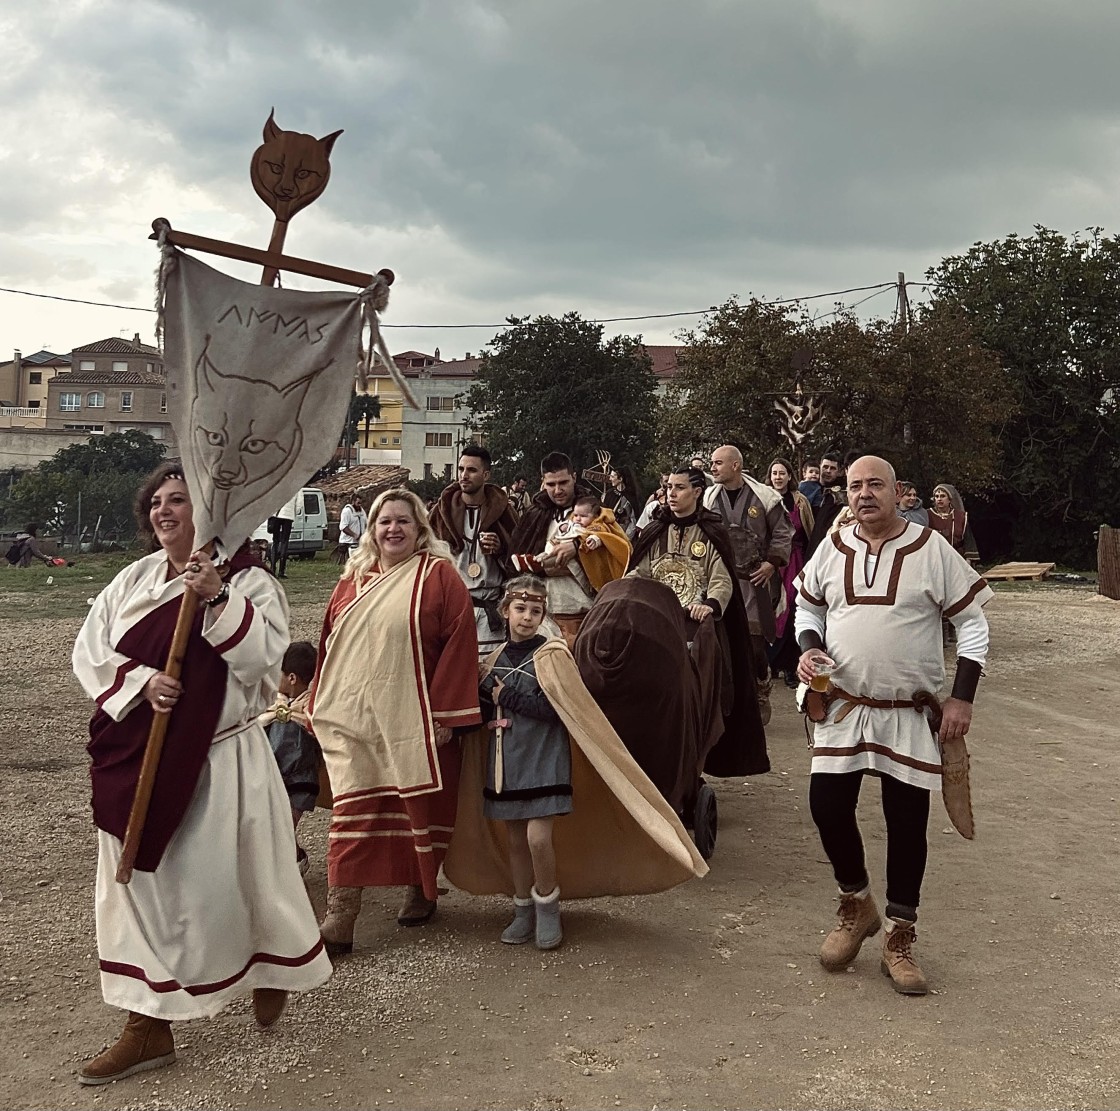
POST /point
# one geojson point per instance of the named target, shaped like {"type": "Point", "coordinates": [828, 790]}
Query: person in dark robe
{"type": "Point", "coordinates": [687, 547]}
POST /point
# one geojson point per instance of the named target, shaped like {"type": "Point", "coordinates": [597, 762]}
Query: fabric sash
{"type": "Point", "coordinates": [371, 706]}
{"type": "Point", "coordinates": [117, 747]}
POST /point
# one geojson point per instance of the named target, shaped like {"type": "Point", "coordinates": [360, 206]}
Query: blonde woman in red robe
{"type": "Point", "coordinates": [398, 673]}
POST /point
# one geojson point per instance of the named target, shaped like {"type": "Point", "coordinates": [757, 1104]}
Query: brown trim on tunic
{"type": "Point", "coordinates": [161, 987]}
{"type": "Point", "coordinates": [890, 597]}
{"type": "Point", "coordinates": [890, 754]}
{"type": "Point", "coordinates": [966, 601]}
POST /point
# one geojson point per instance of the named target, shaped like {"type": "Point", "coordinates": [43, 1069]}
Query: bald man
{"type": "Point", "coordinates": [870, 601]}
{"type": "Point", "coordinates": [762, 536]}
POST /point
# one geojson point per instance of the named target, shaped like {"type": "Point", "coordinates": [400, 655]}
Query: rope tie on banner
{"type": "Point", "coordinates": [374, 299]}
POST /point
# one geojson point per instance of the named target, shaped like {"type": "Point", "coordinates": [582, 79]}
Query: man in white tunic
{"type": "Point", "coordinates": [871, 601]}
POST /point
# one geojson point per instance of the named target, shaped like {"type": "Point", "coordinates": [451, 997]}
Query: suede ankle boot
{"type": "Point", "coordinates": [145, 1043]}
{"type": "Point", "coordinates": [858, 920]}
{"type": "Point", "coordinates": [549, 933]}
{"type": "Point", "coordinates": [523, 926]}
{"type": "Point", "coordinates": [337, 928]}
{"type": "Point", "coordinates": [898, 959]}
{"type": "Point", "coordinates": [417, 908]}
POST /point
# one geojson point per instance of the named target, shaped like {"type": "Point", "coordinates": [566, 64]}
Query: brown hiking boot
{"type": "Point", "coordinates": [145, 1043]}
{"type": "Point", "coordinates": [764, 688]}
{"type": "Point", "coordinates": [337, 928]}
{"type": "Point", "coordinates": [268, 1005]}
{"type": "Point", "coordinates": [898, 961]}
{"type": "Point", "coordinates": [858, 920]}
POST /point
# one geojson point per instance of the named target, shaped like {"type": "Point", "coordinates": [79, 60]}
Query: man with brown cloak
{"type": "Point", "coordinates": [475, 518]}
{"type": "Point", "coordinates": [687, 547]}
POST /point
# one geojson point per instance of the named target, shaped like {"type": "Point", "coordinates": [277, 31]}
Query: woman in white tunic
{"type": "Point", "coordinates": [216, 908]}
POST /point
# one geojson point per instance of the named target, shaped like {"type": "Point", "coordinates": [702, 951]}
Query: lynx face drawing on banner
{"type": "Point", "coordinates": [245, 433]}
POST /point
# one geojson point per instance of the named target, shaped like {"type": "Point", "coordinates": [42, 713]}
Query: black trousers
{"type": "Point", "coordinates": [832, 802]}
{"type": "Point", "coordinates": [281, 534]}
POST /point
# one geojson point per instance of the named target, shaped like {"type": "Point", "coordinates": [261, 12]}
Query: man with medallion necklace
{"type": "Point", "coordinates": [762, 538]}
{"type": "Point", "coordinates": [475, 518]}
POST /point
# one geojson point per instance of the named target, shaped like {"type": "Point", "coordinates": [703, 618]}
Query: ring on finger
{"type": "Point", "coordinates": [163, 698]}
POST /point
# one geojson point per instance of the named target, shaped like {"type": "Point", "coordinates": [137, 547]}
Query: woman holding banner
{"type": "Point", "coordinates": [215, 908]}
{"type": "Point", "coordinates": [398, 671]}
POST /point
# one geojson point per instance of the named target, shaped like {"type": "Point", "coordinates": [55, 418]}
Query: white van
{"type": "Point", "coordinates": [309, 529]}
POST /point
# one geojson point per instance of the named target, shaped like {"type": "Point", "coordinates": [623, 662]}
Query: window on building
{"type": "Point", "coordinates": [427, 470]}
{"type": "Point", "coordinates": [447, 472]}
{"type": "Point", "coordinates": [69, 402]}
{"type": "Point", "coordinates": [87, 364]}
{"type": "Point", "coordinates": [126, 401]}
{"type": "Point", "coordinates": [84, 427]}
{"type": "Point", "coordinates": [35, 378]}
{"type": "Point", "coordinates": [397, 440]}
{"type": "Point", "coordinates": [33, 405]}
{"type": "Point", "coordinates": [437, 439]}
{"type": "Point", "coordinates": [441, 404]}
{"type": "Point", "coordinates": [149, 368]}
{"type": "Point", "coordinates": [163, 403]}
{"type": "Point", "coordinates": [95, 399]}
{"type": "Point", "coordinates": [120, 367]}
{"type": "Point", "coordinates": [384, 439]}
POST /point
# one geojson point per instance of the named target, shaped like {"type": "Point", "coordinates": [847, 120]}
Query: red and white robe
{"type": "Point", "coordinates": [398, 657]}
{"type": "Point", "coordinates": [220, 908]}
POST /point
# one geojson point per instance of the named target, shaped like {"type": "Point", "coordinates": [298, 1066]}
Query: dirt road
{"type": "Point", "coordinates": [706, 996]}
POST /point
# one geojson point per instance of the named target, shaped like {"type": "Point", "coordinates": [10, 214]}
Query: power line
{"type": "Point", "coordinates": [879, 288]}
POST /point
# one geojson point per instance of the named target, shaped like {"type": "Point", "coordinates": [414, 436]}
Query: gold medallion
{"type": "Point", "coordinates": [753, 511]}
{"type": "Point", "coordinates": [475, 570]}
{"type": "Point", "coordinates": [681, 576]}
{"type": "Point", "coordinates": [699, 549]}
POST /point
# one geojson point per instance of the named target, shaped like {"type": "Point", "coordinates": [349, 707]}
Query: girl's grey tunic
{"type": "Point", "coordinates": [529, 765]}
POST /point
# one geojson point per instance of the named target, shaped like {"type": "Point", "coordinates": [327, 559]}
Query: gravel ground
{"type": "Point", "coordinates": [706, 996]}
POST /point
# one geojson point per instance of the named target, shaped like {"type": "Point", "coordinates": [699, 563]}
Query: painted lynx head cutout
{"type": "Point", "coordinates": [245, 434]}
{"type": "Point", "coordinates": [290, 169]}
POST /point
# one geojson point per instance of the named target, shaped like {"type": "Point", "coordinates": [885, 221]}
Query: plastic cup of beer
{"type": "Point", "coordinates": [823, 667]}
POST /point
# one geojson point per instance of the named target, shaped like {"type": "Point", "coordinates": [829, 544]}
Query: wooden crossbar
{"type": "Point", "coordinates": [272, 259]}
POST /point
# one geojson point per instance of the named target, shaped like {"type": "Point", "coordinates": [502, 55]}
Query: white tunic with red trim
{"type": "Point", "coordinates": [882, 626]}
{"type": "Point", "coordinates": [226, 910]}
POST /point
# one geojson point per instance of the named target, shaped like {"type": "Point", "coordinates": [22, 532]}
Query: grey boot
{"type": "Point", "coordinates": [549, 933]}
{"type": "Point", "coordinates": [521, 929]}
{"type": "Point", "coordinates": [337, 928]}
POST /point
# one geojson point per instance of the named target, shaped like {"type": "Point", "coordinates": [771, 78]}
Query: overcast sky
{"type": "Point", "coordinates": [614, 157]}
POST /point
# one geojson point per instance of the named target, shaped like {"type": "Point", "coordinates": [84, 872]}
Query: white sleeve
{"type": "Point", "coordinates": [807, 617]}
{"type": "Point", "coordinates": [114, 681]}
{"type": "Point", "coordinates": [972, 634]}
{"type": "Point", "coordinates": [251, 633]}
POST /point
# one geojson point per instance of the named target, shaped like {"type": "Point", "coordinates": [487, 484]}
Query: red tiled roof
{"type": "Point", "coordinates": [108, 378]}
{"type": "Point", "coordinates": [456, 368]}
{"type": "Point", "coordinates": [664, 360]}
{"type": "Point", "coordinates": [114, 345]}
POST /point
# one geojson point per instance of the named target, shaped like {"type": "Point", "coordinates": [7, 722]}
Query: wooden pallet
{"type": "Point", "coordinates": [1006, 572]}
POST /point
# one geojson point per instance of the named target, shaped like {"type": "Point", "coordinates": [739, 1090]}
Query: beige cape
{"type": "Point", "coordinates": [622, 837]}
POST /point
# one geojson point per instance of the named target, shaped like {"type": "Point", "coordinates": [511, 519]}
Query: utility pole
{"type": "Point", "coordinates": [903, 308]}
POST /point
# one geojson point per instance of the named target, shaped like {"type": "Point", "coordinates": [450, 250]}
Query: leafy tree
{"type": "Point", "coordinates": [1049, 307]}
{"type": "Point", "coordinates": [929, 399]}
{"type": "Point", "coordinates": [101, 475]}
{"type": "Point", "coordinates": [554, 384]}
{"type": "Point", "coordinates": [130, 452]}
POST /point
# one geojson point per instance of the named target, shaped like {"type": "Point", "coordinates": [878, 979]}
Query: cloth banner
{"type": "Point", "coordinates": [259, 381]}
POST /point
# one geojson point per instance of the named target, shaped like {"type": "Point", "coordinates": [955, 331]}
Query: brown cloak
{"type": "Point", "coordinates": [622, 837]}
